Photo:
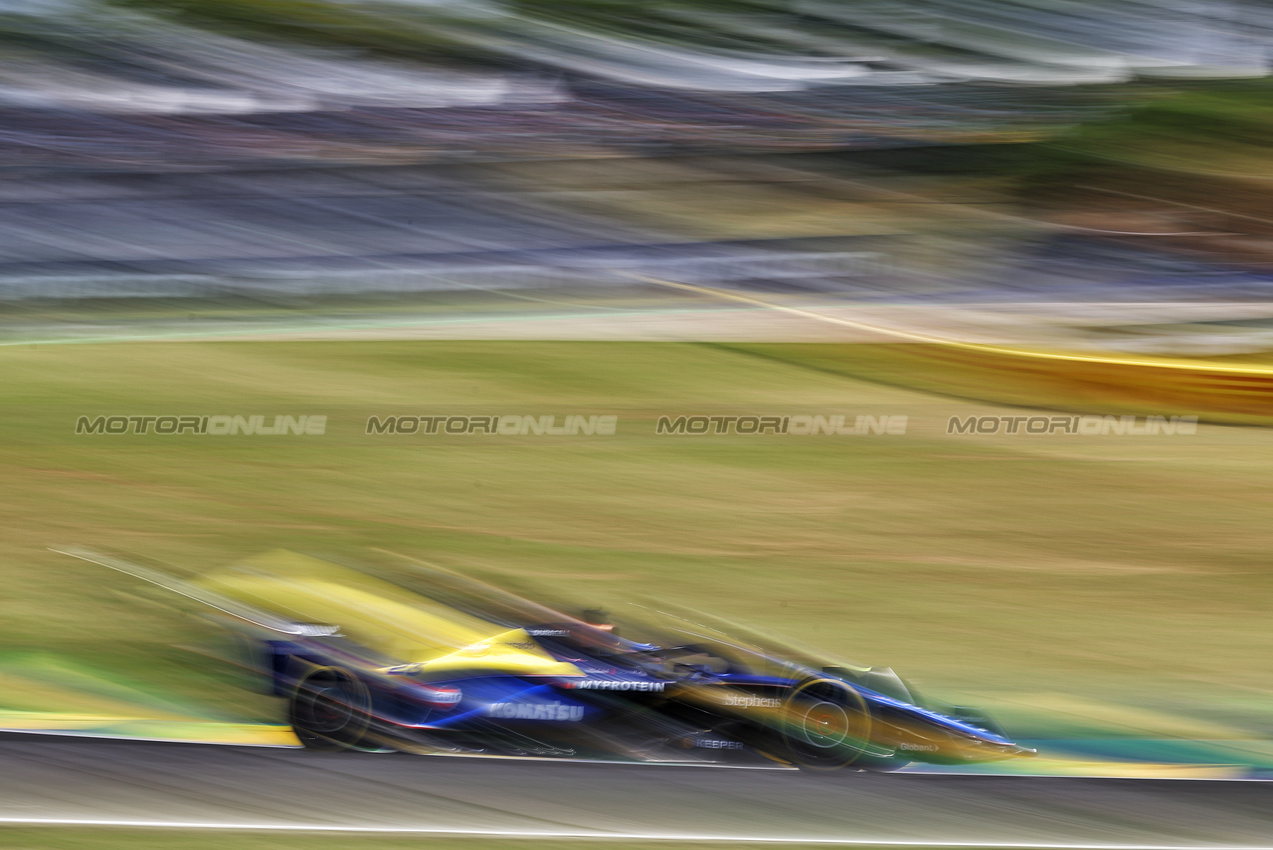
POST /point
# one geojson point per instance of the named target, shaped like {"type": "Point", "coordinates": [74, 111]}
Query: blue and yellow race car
{"type": "Point", "coordinates": [439, 663]}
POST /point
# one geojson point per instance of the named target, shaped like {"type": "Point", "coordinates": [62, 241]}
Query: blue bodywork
{"type": "Point", "coordinates": [620, 699]}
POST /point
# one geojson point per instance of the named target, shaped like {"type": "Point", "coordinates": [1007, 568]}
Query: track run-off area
{"type": "Point", "coordinates": [103, 783]}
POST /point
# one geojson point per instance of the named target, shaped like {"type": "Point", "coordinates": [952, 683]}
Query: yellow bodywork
{"type": "Point", "coordinates": [513, 652]}
{"type": "Point", "coordinates": [382, 616]}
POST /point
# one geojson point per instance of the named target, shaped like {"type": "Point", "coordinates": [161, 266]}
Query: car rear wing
{"type": "Point", "coordinates": [231, 607]}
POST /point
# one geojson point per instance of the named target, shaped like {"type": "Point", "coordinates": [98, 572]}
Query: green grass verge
{"type": "Point", "coordinates": [1075, 585]}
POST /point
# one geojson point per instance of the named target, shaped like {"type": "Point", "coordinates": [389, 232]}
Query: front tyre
{"type": "Point", "coordinates": [826, 725]}
{"type": "Point", "coordinates": [330, 710]}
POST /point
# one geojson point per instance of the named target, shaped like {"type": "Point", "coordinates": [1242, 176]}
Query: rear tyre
{"type": "Point", "coordinates": [330, 710]}
{"type": "Point", "coordinates": [826, 725]}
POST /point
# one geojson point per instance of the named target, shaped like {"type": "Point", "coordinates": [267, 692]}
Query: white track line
{"type": "Point", "coordinates": [606, 836]}
{"type": "Point", "coordinates": [914, 336]}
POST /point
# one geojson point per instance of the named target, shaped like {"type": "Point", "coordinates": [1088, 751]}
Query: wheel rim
{"type": "Point", "coordinates": [824, 725]}
{"type": "Point", "coordinates": [330, 710]}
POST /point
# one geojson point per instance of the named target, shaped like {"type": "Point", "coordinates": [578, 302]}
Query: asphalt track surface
{"type": "Point", "coordinates": [68, 780]}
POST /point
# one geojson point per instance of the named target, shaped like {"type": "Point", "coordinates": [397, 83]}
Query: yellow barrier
{"type": "Point", "coordinates": [1230, 393]}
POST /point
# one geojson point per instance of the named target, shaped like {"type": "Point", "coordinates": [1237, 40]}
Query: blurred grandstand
{"type": "Point", "coordinates": [154, 84]}
{"type": "Point", "coordinates": [205, 148]}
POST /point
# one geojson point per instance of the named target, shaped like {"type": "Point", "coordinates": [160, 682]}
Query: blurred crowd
{"type": "Point", "coordinates": [175, 83]}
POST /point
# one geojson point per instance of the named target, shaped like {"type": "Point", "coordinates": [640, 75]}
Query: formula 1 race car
{"type": "Point", "coordinates": [443, 664]}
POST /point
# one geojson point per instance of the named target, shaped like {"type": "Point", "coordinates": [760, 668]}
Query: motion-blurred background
{"type": "Point", "coordinates": [991, 155]}
{"type": "Point", "coordinates": [1006, 150]}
